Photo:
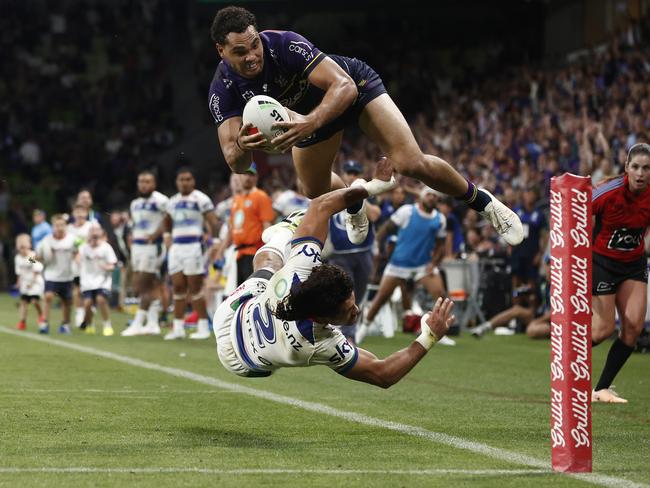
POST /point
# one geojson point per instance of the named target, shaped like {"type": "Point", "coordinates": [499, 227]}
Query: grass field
{"type": "Point", "coordinates": [143, 412]}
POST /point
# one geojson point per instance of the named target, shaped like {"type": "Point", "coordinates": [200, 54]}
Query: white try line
{"type": "Point", "coordinates": [302, 472]}
{"type": "Point", "coordinates": [438, 437]}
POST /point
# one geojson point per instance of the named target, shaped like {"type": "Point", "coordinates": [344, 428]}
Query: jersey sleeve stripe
{"type": "Point", "coordinates": [312, 62]}
{"type": "Point", "coordinates": [350, 364]}
{"type": "Point", "coordinates": [300, 240]}
{"type": "Point", "coordinates": [607, 187]}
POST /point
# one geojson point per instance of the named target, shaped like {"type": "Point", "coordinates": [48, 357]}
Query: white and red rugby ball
{"type": "Point", "coordinates": [262, 112]}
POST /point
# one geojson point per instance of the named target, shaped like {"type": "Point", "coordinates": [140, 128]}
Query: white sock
{"type": "Point", "coordinates": [140, 315]}
{"type": "Point", "coordinates": [152, 313]}
{"type": "Point", "coordinates": [202, 325]}
{"type": "Point", "coordinates": [179, 325]}
{"type": "Point", "coordinates": [79, 315]}
{"type": "Point", "coordinates": [107, 324]}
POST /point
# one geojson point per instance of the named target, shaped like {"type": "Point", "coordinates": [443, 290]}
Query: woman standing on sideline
{"type": "Point", "coordinates": [621, 209]}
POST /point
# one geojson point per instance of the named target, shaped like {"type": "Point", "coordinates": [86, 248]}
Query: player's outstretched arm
{"type": "Point", "coordinates": [386, 372]}
{"type": "Point", "coordinates": [315, 222]}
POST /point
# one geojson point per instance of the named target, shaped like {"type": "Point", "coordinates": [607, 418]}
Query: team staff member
{"type": "Point", "coordinates": [325, 94]}
{"type": "Point", "coordinates": [621, 209]}
{"type": "Point", "coordinates": [251, 213]}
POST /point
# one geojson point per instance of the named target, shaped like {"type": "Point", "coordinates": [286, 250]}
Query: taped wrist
{"type": "Point", "coordinates": [426, 339]}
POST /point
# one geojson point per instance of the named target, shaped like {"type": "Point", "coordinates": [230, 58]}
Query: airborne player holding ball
{"type": "Point", "coordinates": [323, 95]}
{"type": "Point", "coordinates": [621, 209]}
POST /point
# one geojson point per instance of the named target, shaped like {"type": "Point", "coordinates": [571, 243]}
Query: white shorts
{"type": "Point", "coordinates": [147, 258]}
{"type": "Point", "coordinates": [186, 259]}
{"type": "Point", "coordinates": [224, 325]}
{"type": "Point", "coordinates": [405, 273]}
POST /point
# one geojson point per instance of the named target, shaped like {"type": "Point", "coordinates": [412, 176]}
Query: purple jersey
{"type": "Point", "coordinates": [289, 58]}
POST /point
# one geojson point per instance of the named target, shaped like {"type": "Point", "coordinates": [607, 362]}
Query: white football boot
{"type": "Point", "coordinates": [504, 220]}
{"type": "Point", "coordinates": [356, 225]}
{"type": "Point", "coordinates": [290, 222]}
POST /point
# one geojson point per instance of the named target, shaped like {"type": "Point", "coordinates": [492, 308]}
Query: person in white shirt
{"type": "Point", "coordinates": [281, 316]}
{"type": "Point", "coordinates": [57, 253]}
{"type": "Point", "coordinates": [188, 212]}
{"type": "Point", "coordinates": [79, 227]}
{"type": "Point", "coordinates": [30, 280]}
{"type": "Point", "coordinates": [97, 260]}
{"type": "Point", "coordinates": [147, 212]}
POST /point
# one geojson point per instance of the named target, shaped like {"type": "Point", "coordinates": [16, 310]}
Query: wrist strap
{"type": "Point", "coordinates": [426, 339]}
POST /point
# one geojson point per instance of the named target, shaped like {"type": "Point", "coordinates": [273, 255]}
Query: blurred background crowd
{"type": "Point", "coordinates": [92, 92]}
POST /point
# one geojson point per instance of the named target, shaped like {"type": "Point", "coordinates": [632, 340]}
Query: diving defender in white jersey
{"type": "Point", "coordinates": [280, 316]}
{"type": "Point", "coordinates": [147, 212]}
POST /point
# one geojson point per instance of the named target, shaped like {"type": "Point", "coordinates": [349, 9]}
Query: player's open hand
{"type": "Point", "coordinates": [299, 127]}
{"type": "Point", "coordinates": [383, 170]}
{"type": "Point", "coordinates": [440, 318]}
{"type": "Point", "coordinates": [250, 142]}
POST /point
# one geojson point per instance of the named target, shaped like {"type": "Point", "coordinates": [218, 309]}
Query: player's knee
{"type": "Point", "coordinates": [410, 164]}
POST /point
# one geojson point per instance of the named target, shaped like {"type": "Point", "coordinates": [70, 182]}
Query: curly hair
{"type": "Point", "coordinates": [320, 295]}
{"type": "Point", "coordinates": [231, 19]}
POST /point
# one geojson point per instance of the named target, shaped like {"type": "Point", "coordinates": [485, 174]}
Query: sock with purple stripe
{"type": "Point", "coordinates": [474, 198]}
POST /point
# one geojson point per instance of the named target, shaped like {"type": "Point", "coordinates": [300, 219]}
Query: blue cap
{"type": "Point", "coordinates": [352, 166]}
{"type": "Point", "coordinates": [252, 169]}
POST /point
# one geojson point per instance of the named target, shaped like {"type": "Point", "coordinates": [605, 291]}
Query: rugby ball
{"type": "Point", "coordinates": [262, 112]}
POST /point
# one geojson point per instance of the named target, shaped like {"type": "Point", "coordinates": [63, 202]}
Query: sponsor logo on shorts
{"type": "Point", "coordinates": [604, 286]}
{"type": "Point", "coordinates": [626, 239]}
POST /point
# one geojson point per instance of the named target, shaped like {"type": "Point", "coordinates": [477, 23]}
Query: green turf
{"type": "Point", "coordinates": [61, 408]}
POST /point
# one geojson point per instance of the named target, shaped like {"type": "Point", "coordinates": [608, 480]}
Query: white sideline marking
{"type": "Point", "coordinates": [214, 391]}
{"type": "Point", "coordinates": [244, 471]}
{"type": "Point", "coordinates": [438, 437]}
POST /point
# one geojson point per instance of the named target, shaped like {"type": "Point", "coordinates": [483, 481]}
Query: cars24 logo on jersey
{"type": "Point", "coordinates": [625, 239]}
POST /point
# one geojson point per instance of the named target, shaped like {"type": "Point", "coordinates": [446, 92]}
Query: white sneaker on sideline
{"type": "Point", "coordinates": [151, 329]}
{"type": "Point", "coordinates": [175, 334]}
{"type": "Point", "coordinates": [504, 220]}
{"type": "Point", "coordinates": [356, 225]}
{"type": "Point", "coordinates": [446, 341]}
{"type": "Point", "coordinates": [361, 333]}
{"type": "Point", "coordinates": [504, 331]}
{"type": "Point", "coordinates": [132, 330]}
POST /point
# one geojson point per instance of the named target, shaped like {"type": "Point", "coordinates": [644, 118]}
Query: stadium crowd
{"type": "Point", "coordinates": [509, 133]}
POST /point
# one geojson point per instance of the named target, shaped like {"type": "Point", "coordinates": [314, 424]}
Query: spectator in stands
{"type": "Point", "coordinates": [526, 258]}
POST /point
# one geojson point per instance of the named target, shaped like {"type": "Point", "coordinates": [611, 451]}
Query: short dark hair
{"type": "Point", "coordinates": [184, 169]}
{"type": "Point", "coordinates": [231, 19]}
{"type": "Point", "coordinates": [148, 172]}
{"type": "Point", "coordinates": [320, 295]}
